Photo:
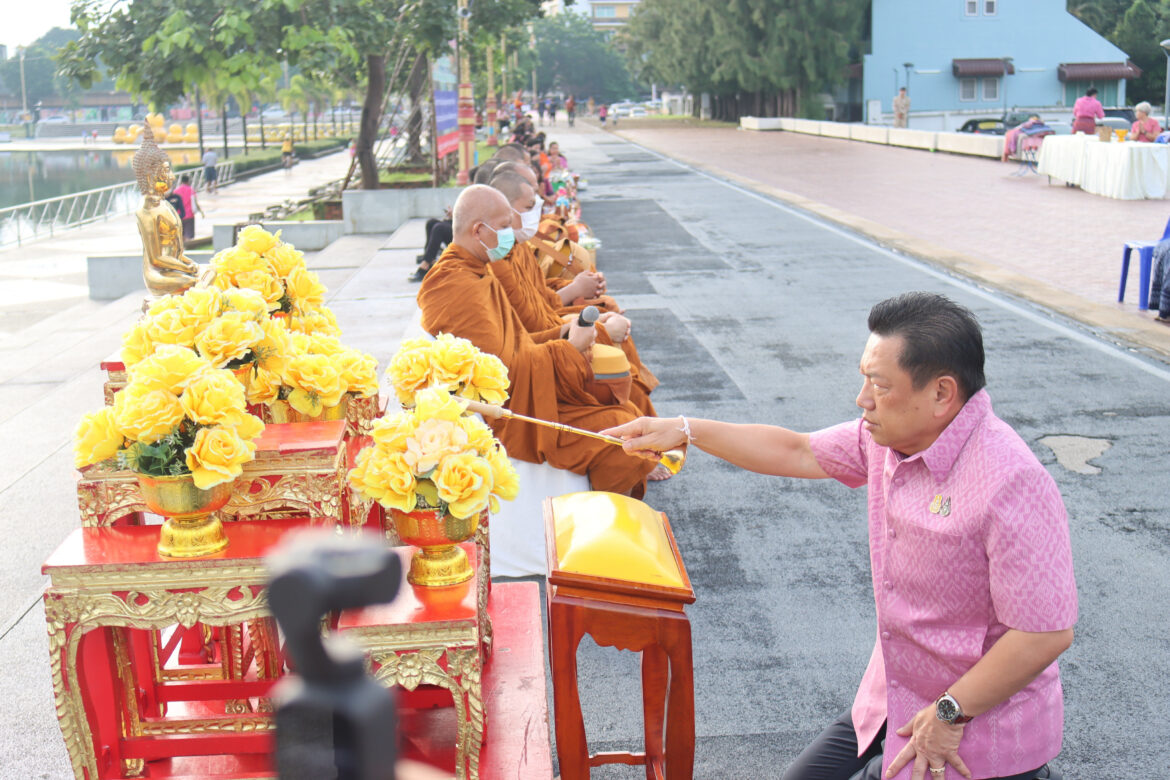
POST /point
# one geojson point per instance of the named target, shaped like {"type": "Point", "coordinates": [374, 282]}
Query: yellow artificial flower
{"type": "Point", "coordinates": [359, 372]}
{"type": "Point", "coordinates": [232, 261]}
{"type": "Point", "coordinates": [229, 337]}
{"type": "Point", "coordinates": [263, 284]}
{"type": "Point", "coordinates": [246, 299]}
{"type": "Point", "coordinates": [452, 360]}
{"type": "Point", "coordinates": [283, 259]}
{"type": "Point", "coordinates": [385, 477]}
{"type": "Point", "coordinates": [218, 455]}
{"type": "Point", "coordinates": [393, 431]}
{"type": "Point", "coordinates": [170, 327]}
{"type": "Point", "coordinates": [136, 344]}
{"type": "Point", "coordinates": [304, 289]}
{"type": "Point", "coordinates": [274, 347]}
{"type": "Point", "coordinates": [97, 438]}
{"type": "Point", "coordinates": [146, 415]}
{"type": "Point", "coordinates": [316, 383]}
{"type": "Point", "coordinates": [165, 303]}
{"type": "Point", "coordinates": [435, 403]}
{"type": "Point", "coordinates": [505, 480]}
{"type": "Point", "coordinates": [431, 442]}
{"type": "Point", "coordinates": [199, 306]}
{"type": "Point", "coordinates": [410, 369]}
{"type": "Point", "coordinates": [489, 380]}
{"type": "Point", "coordinates": [169, 368]}
{"type": "Point", "coordinates": [256, 239]}
{"type": "Point", "coordinates": [215, 397]}
{"type": "Point", "coordinates": [264, 387]}
{"type": "Point", "coordinates": [479, 436]}
{"type": "Point", "coordinates": [464, 482]}
{"type": "Point", "coordinates": [247, 426]}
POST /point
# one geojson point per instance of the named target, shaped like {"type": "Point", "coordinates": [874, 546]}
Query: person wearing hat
{"type": "Point", "coordinates": [969, 551]}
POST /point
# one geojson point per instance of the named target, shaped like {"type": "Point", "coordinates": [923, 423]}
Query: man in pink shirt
{"type": "Point", "coordinates": [1086, 111]}
{"type": "Point", "coordinates": [969, 549]}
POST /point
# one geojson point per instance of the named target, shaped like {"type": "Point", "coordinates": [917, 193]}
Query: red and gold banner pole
{"type": "Point", "coordinates": [466, 110]}
{"type": "Point", "coordinates": [490, 110]}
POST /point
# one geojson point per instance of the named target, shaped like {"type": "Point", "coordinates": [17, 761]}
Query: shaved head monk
{"type": "Point", "coordinates": [540, 309]}
{"type": "Point", "coordinates": [462, 297]}
{"type": "Point", "coordinates": [513, 153]}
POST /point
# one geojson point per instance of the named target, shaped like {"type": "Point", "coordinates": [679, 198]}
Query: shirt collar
{"type": "Point", "coordinates": [940, 456]}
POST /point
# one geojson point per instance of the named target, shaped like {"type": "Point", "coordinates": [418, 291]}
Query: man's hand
{"type": "Point", "coordinates": [649, 437]}
{"type": "Point", "coordinates": [617, 326]}
{"type": "Point", "coordinates": [582, 337]}
{"type": "Point", "coordinates": [586, 284]}
{"type": "Point", "coordinates": [933, 744]}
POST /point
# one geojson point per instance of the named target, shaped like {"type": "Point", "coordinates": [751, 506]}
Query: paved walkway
{"type": "Point", "coordinates": [43, 276]}
{"type": "Point", "coordinates": [1052, 244]}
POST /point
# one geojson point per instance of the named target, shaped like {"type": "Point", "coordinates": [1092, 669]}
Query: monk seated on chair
{"type": "Point", "coordinates": [539, 308]}
{"type": "Point", "coordinates": [548, 380]}
{"type": "Point", "coordinates": [588, 286]}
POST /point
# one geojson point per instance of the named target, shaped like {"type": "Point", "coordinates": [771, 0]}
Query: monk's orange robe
{"type": "Point", "coordinates": [542, 312]}
{"type": "Point", "coordinates": [462, 297]}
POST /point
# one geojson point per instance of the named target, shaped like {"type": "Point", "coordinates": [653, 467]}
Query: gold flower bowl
{"type": "Point", "coordinates": [190, 527]}
{"type": "Point", "coordinates": [439, 561]}
{"type": "Point", "coordinates": [283, 412]}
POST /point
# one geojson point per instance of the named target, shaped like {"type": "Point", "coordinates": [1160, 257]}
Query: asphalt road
{"type": "Point", "coordinates": [750, 311]}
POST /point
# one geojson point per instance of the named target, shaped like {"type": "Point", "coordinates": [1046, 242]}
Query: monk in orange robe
{"type": "Point", "coordinates": [537, 305]}
{"type": "Point", "coordinates": [462, 297]}
{"type": "Point", "coordinates": [586, 288]}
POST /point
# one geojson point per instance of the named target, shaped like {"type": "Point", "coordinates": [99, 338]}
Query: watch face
{"type": "Point", "coordinates": [948, 710]}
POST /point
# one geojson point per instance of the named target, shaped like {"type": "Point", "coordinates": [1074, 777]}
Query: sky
{"type": "Point", "coordinates": [22, 28]}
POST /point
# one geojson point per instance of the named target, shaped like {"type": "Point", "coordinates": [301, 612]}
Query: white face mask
{"type": "Point", "coordinates": [529, 222]}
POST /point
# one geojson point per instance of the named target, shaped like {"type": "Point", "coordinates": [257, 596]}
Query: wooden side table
{"type": "Point", "coordinates": [107, 580]}
{"type": "Point", "coordinates": [615, 574]}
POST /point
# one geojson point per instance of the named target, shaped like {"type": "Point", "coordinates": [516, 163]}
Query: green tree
{"type": "Point", "coordinates": [575, 59]}
{"type": "Point", "coordinates": [1137, 35]}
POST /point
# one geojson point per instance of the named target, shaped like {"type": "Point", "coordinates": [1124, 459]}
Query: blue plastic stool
{"type": "Point", "coordinates": [1146, 261]}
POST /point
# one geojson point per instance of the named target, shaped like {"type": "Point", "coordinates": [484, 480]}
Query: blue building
{"type": "Point", "coordinates": [986, 56]}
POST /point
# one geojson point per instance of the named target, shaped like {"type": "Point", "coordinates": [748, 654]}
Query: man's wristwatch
{"type": "Point", "coordinates": [948, 710]}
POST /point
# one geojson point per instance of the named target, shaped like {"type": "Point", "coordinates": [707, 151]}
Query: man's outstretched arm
{"type": "Point", "coordinates": [765, 449]}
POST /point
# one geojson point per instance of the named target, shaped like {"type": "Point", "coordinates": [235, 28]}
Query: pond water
{"type": "Point", "coordinates": [29, 176]}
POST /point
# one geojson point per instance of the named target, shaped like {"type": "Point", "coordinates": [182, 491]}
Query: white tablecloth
{"type": "Point", "coordinates": [1126, 171]}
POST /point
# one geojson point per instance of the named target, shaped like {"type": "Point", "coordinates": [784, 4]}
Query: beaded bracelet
{"type": "Point", "coordinates": [686, 429]}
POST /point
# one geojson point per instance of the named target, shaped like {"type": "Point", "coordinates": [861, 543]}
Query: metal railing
{"type": "Point", "coordinates": [45, 218]}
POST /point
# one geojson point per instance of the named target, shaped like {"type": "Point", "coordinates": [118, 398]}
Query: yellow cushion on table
{"type": "Point", "coordinates": [617, 537]}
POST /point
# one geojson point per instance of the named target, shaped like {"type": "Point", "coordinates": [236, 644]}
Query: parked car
{"type": "Point", "coordinates": [986, 126]}
{"type": "Point", "coordinates": [638, 112]}
{"type": "Point", "coordinates": [1123, 113]}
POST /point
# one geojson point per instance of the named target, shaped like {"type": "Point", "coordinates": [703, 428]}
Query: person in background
{"type": "Point", "coordinates": [602, 113]}
{"type": "Point", "coordinates": [901, 108]}
{"type": "Point", "coordinates": [190, 205]}
{"type": "Point", "coordinates": [571, 109]}
{"type": "Point", "coordinates": [1146, 128]}
{"type": "Point", "coordinates": [286, 151]}
{"type": "Point", "coordinates": [1086, 111]}
{"type": "Point", "coordinates": [554, 105]}
{"type": "Point", "coordinates": [209, 160]}
{"type": "Point", "coordinates": [176, 202]}
{"type": "Point", "coordinates": [541, 107]}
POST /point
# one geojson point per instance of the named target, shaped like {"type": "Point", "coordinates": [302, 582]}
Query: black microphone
{"type": "Point", "coordinates": [588, 316]}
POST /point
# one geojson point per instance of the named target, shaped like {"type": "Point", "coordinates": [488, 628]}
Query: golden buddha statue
{"type": "Point", "coordinates": [165, 269]}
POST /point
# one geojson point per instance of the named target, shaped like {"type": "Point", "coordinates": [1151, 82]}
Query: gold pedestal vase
{"type": "Point", "coordinates": [439, 561]}
{"type": "Point", "coordinates": [282, 412]}
{"type": "Point", "coordinates": [190, 527]}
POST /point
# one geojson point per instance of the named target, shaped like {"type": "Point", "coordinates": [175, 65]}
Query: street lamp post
{"type": "Point", "coordinates": [907, 66]}
{"type": "Point", "coordinates": [23, 96]}
{"type": "Point", "coordinates": [1166, 104]}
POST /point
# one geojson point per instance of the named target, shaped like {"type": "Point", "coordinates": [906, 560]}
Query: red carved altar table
{"type": "Point", "coordinates": [107, 580]}
{"type": "Point", "coordinates": [615, 574]}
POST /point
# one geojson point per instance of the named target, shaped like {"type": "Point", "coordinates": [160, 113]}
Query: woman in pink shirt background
{"type": "Point", "coordinates": [1146, 128]}
{"type": "Point", "coordinates": [190, 204]}
{"type": "Point", "coordinates": [1086, 111]}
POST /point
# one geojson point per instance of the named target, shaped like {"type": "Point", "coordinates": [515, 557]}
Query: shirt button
{"type": "Point", "coordinates": [899, 481]}
{"type": "Point", "coordinates": [889, 585]}
{"type": "Point", "coordinates": [893, 534]}
{"type": "Point", "coordinates": [893, 683]}
{"type": "Point", "coordinates": [885, 635]}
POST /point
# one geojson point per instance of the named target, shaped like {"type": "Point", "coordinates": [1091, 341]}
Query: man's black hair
{"type": "Point", "coordinates": [1091, 91]}
{"type": "Point", "coordinates": [185, 178]}
{"type": "Point", "coordinates": [938, 337]}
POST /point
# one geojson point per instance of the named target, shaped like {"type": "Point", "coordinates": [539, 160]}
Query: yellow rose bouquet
{"type": "Point", "coordinates": [449, 362]}
{"type": "Point", "coordinates": [317, 373]}
{"type": "Point", "coordinates": [228, 328]}
{"type": "Point", "coordinates": [435, 456]}
{"type": "Point", "coordinates": [261, 262]}
{"type": "Point", "coordinates": [178, 414]}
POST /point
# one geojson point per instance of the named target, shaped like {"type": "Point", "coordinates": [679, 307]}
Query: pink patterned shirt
{"type": "Point", "coordinates": [967, 539]}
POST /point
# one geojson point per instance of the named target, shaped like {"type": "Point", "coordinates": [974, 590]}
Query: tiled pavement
{"type": "Point", "coordinates": [1043, 241]}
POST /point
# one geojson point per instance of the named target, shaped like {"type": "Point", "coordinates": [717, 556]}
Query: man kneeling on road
{"type": "Point", "coordinates": [969, 548]}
